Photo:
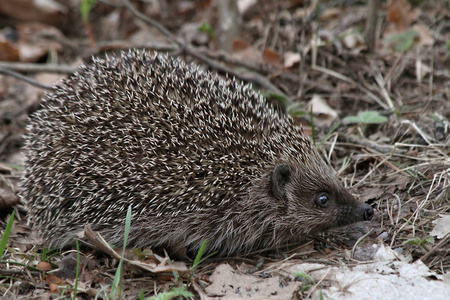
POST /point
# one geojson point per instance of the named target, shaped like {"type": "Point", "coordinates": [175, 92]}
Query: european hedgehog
{"type": "Point", "coordinates": [196, 156]}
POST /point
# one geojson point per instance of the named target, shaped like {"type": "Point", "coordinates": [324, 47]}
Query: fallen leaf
{"type": "Point", "coordinates": [46, 11]}
{"type": "Point", "coordinates": [442, 227]}
{"type": "Point", "coordinates": [52, 279]}
{"type": "Point", "coordinates": [54, 288]}
{"type": "Point", "coordinates": [331, 13]}
{"type": "Point", "coordinates": [425, 37]}
{"type": "Point", "coordinates": [228, 283]}
{"type": "Point", "coordinates": [8, 197]}
{"type": "Point", "coordinates": [67, 266]}
{"type": "Point", "coordinates": [97, 240]}
{"type": "Point", "coordinates": [44, 266]}
{"type": "Point", "coordinates": [240, 45]}
{"type": "Point", "coordinates": [400, 14]}
{"type": "Point", "coordinates": [272, 57]}
{"type": "Point", "coordinates": [291, 59]}
{"type": "Point", "coordinates": [323, 113]}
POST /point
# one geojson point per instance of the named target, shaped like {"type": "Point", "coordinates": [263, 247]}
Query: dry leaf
{"type": "Point", "coordinates": [45, 11]}
{"type": "Point", "coordinates": [8, 50]}
{"type": "Point", "coordinates": [401, 14]}
{"type": "Point", "coordinates": [331, 13]}
{"type": "Point", "coordinates": [291, 59]}
{"type": "Point", "coordinates": [240, 45]}
{"type": "Point", "coordinates": [97, 241]}
{"type": "Point", "coordinates": [54, 288]}
{"type": "Point", "coordinates": [44, 266]}
{"type": "Point", "coordinates": [31, 47]}
{"type": "Point", "coordinates": [272, 57]}
{"type": "Point", "coordinates": [228, 283]}
{"type": "Point", "coordinates": [7, 196]}
{"type": "Point", "coordinates": [425, 37]}
{"type": "Point", "coordinates": [324, 115]}
{"type": "Point", "coordinates": [442, 227]}
{"type": "Point", "coordinates": [52, 279]}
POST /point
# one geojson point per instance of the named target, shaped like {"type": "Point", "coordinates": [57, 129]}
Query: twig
{"type": "Point", "coordinates": [191, 50]}
{"type": "Point", "coordinates": [151, 22]}
{"type": "Point", "coordinates": [27, 79]}
{"type": "Point", "coordinates": [351, 81]}
{"type": "Point", "coordinates": [371, 24]}
{"type": "Point", "coordinates": [441, 242]}
{"type": "Point", "coordinates": [36, 68]}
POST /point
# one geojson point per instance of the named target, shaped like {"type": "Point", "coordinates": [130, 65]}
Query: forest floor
{"type": "Point", "coordinates": [381, 118]}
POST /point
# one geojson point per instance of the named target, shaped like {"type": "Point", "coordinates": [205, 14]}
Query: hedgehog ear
{"type": "Point", "coordinates": [280, 177]}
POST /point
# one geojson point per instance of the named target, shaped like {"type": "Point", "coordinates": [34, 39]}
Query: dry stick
{"type": "Point", "coordinates": [314, 287]}
{"type": "Point", "coordinates": [189, 49]}
{"type": "Point", "coordinates": [433, 187]}
{"type": "Point", "coordinates": [370, 144]}
{"type": "Point", "coordinates": [374, 168]}
{"type": "Point", "coordinates": [390, 210]}
{"type": "Point", "coordinates": [381, 84]}
{"type": "Point", "coordinates": [413, 218]}
{"type": "Point", "coordinates": [441, 242]}
{"type": "Point", "coordinates": [352, 253]}
{"type": "Point", "coordinates": [371, 24]}
{"type": "Point", "coordinates": [388, 75]}
{"type": "Point", "coordinates": [423, 135]}
{"type": "Point", "coordinates": [351, 81]}
{"type": "Point", "coordinates": [372, 151]}
{"type": "Point", "coordinates": [151, 22]}
{"type": "Point", "coordinates": [301, 67]}
{"type": "Point", "coordinates": [27, 79]}
{"type": "Point", "coordinates": [430, 88]}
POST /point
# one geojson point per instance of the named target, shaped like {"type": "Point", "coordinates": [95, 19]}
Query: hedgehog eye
{"type": "Point", "coordinates": [323, 200]}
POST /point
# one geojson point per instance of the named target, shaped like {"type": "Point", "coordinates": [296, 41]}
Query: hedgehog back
{"type": "Point", "coordinates": [151, 132]}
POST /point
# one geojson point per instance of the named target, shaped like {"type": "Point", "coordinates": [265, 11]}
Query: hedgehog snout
{"type": "Point", "coordinates": [364, 212]}
{"type": "Point", "coordinates": [368, 212]}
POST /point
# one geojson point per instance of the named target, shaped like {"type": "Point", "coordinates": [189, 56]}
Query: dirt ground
{"type": "Point", "coordinates": [378, 108]}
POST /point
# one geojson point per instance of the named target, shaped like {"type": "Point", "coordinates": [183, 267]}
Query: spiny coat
{"type": "Point", "coordinates": [196, 156]}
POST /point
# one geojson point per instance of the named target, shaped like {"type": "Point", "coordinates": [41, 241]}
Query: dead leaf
{"type": "Point", "coordinates": [45, 11]}
{"type": "Point", "coordinates": [240, 45]}
{"type": "Point", "coordinates": [371, 193]}
{"type": "Point", "coordinates": [8, 197]}
{"type": "Point", "coordinates": [442, 227]}
{"type": "Point", "coordinates": [291, 59]}
{"type": "Point", "coordinates": [425, 37]}
{"type": "Point", "coordinates": [331, 13]}
{"type": "Point", "coordinates": [44, 266]}
{"type": "Point", "coordinates": [97, 240]}
{"type": "Point", "coordinates": [228, 283]}
{"type": "Point", "coordinates": [31, 46]}
{"type": "Point", "coordinates": [401, 14]}
{"type": "Point", "coordinates": [191, 34]}
{"type": "Point", "coordinates": [324, 115]}
{"type": "Point", "coordinates": [243, 51]}
{"type": "Point", "coordinates": [272, 57]}
{"type": "Point", "coordinates": [354, 41]}
{"type": "Point", "coordinates": [54, 288]}
{"type": "Point", "coordinates": [52, 279]}
{"type": "Point", "coordinates": [67, 267]}
{"type": "Point", "coordinates": [8, 50]}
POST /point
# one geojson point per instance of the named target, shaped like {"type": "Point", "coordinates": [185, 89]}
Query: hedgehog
{"type": "Point", "coordinates": [196, 156]}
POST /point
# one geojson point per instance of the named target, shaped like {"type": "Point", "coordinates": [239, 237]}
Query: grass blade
{"type": "Point", "coordinates": [118, 275]}
{"type": "Point", "coordinates": [5, 236]}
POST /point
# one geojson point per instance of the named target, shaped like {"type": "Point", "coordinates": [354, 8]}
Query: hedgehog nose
{"type": "Point", "coordinates": [368, 212]}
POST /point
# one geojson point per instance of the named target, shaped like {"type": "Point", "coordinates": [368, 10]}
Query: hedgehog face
{"type": "Point", "coordinates": [316, 198]}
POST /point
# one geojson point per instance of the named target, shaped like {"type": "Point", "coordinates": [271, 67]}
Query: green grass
{"type": "Point", "coordinates": [116, 287]}
{"type": "Point", "coordinates": [5, 236]}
